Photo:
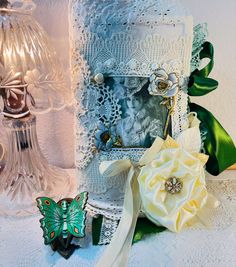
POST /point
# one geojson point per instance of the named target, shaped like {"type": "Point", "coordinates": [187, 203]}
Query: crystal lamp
{"type": "Point", "coordinates": [31, 82]}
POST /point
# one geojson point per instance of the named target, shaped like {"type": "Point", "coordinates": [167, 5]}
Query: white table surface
{"type": "Point", "coordinates": [22, 243]}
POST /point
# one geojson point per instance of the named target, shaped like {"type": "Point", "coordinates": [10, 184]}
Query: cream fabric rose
{"type": "Point", "coordinates": [182, 162]}
{"type": "Point", "coordinates": [173, 210]}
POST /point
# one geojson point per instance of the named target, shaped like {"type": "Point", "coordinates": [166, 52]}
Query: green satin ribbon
{"type": "Point", "coordinates": [144, 227]}
{"type": "Point", "coordinates": [96, 229]}
{"type": "Point", "coordinates": [199, 83]}
{"type": "Point", "coordinates": [218, 144]}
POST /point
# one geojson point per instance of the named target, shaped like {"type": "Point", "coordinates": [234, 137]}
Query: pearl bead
{"type": "Point", "coordinates": [99, 78]}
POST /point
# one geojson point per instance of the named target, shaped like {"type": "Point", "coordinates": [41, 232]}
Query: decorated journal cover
{"type": "Point", "coordinates": [134, 65]}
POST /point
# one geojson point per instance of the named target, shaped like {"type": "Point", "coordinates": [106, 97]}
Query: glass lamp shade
{"type": "Point", "coordinates": [31, 76]}
{"type": "Point", "coordinates": [31, 81]}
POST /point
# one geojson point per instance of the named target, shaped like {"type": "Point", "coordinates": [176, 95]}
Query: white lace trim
{"type": "Point", "coordinates": [100, 16]}
{"type": "Point", "coordinates": [200, 34]}
{"type": "Point", "coordinates": [107, 230]}
{"type": "Point", "coordinates": [131, 57]}
{"type": "Point", "coordinates": [180, 118]}
{"type": "Point", "coordinates": [137, 28]}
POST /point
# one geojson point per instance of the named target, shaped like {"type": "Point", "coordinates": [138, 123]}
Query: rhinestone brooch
{"type": "Point", "coordinates": [173, 185]}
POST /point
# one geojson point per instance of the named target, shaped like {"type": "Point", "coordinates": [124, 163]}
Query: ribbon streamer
{"type": "Point", "coordinates": [218, 144]}
{"type": "Point", "coordinates": [117, 252]}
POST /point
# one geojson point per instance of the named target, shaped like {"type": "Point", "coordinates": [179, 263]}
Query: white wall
{"type": "Point", "coordinates": [55, 130]}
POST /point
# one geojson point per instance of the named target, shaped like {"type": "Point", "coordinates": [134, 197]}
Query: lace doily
{"type": "Point", "coordinates": [94, 104]}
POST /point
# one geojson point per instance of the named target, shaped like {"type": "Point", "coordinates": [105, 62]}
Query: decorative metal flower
{"type": "Point", "coordinates": [163, 84]}
{"type": "Point", "coordinates": [105, 137]}
{"type": "Point", "coordinates": [173, 185]}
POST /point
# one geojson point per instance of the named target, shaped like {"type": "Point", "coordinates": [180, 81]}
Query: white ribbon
{"type": "Point", "coordinates": [117, 253]}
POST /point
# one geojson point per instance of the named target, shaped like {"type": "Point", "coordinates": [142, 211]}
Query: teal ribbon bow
{"type": "Point", "coordinates": [218, 144]}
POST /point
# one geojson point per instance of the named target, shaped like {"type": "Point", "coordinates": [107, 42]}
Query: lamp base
{"type": "Point", "coordinates": [27, 174]}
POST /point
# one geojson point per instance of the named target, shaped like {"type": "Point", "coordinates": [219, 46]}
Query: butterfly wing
{"type": "Point", "coordinates": [52, 222]}
{"type": "Point", "coordinates": [76, 215]}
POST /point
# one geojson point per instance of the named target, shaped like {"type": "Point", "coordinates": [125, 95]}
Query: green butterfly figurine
{"type": "Point", "coordinates": [62, 218]}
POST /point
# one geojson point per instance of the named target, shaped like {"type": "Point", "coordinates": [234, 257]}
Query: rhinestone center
{"type": "Point", "coordinates": [173, 185]}
{"type": "Point", "coordinates": [162, 86]}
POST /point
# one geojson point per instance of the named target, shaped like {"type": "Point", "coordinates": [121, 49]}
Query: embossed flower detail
{"type": "Point", "coordinates": [33, 79]}
{"type": "Point", "coordinates": [10, 81]}
{"type": "Point", "coordinates": [36, 86]}
{"type": "Point", "coordinates": [163, 84]}
{"type": "Point", "coordinates": [44, 90]}
{"type": "Point", "coordinates": [105, 137]}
